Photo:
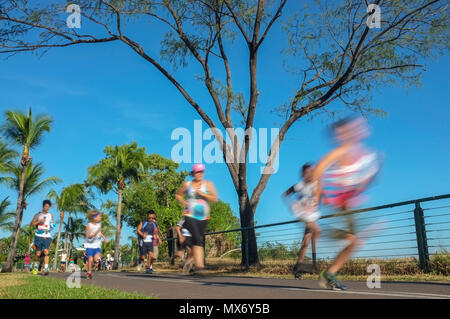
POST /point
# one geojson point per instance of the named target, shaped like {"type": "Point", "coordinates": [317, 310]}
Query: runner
{"type": "Point", "coordinates": [26, 262]}
{"type": "Point", "coordinates": [63, 261]}
{"type": "Point", "coordinates": [155, 244]}
{"type": "Point", "coordinates": [85, 261]}
{"type": "Point", "coordinates": [147, 232]}
{"type": "Point", "coordinates": [93, 239]}
{"type": "Point", "coordinates": [353, 167]}
{"type": "Point", "coordinates": [42, 238]}
{"type": "Point", "coordinates": [185, 243]}
{"type": "Point", "coordinates": [305, 208]}
{"type": "Point", "coordinates": [199, 193]}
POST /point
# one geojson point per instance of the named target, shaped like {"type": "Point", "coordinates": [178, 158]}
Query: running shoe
{"type": "Point", "coordinates": [187, 268]}
{"type": "Point", "coordinates": [295, 271]}
{"type": "Point", "coordinates": [327, 280]}
{"type": "Point", "coordinates": [149, 271]}
{"type": "Point", "coordinates": [46, 272]}
{"type": "Point", "coordinates": [200, 273]}
{"type": "Point", "coordinates": [300, 269]}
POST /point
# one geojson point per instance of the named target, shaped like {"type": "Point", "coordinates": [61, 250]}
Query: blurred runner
{"type": "Point", "coordinates": [305, 208]}
{"type": "Point", "coordinates": [343, 175]}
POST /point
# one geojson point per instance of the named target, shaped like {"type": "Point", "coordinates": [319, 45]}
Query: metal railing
{"type": "Point", "coordinates": [407, 233]}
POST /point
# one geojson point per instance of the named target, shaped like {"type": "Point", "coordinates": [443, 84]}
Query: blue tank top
{"type": "Point", "coordinates": [148, 228]}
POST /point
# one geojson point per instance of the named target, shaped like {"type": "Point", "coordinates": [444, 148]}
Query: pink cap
{"type": "Point", "coordinates": [198, 168]}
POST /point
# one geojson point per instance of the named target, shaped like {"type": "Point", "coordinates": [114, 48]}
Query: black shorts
{"type": "Point", "coordinates": [196, 228]}
{"type": "Point", "coordinates": [146, 248]}
{"type": "Point", "coordinates": [187, 243]}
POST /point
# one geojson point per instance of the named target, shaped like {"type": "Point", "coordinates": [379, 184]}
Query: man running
{"type": "Point", "coordinates": [306, 210]}
{"type": "Point", "coordinates": [44, 223]}
{"type": "Point", "coordinates": [63, 261]}
{"type": "Point", "coordinates": [147, 231]}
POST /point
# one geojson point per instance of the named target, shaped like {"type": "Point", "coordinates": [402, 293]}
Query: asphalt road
{"type": "Point", "coordinates": [173, 286]}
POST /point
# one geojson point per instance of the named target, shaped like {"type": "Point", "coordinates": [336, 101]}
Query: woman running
{"type": "Point", "coordinates": [198, 193]}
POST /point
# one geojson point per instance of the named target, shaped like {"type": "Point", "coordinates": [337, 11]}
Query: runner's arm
{"type": "Point", "coordinates": [34, 221]}
{"type": "Point", "coordinates": [104, 238]}
{"type": "Point", "coordinates": [289, 191]}
{"type": "Point", "coordinates": [323, 165]}
{"type": "Point", "coordinates": [180, 193]}
{"type": "Point", "coordinates": [139, 230]}
{"type": "Point", "coordinates": [157, 236]}
{"type": "Point", "coordinates": [180, 235]}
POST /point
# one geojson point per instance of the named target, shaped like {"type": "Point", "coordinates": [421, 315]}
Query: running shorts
{"type": "Point", "coordinates": [196, 228]}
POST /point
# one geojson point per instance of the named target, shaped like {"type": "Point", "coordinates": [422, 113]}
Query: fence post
{"type": "Point", "coordinates": [246, 248]}
{"type": "Point", "coordinates": [422, 244]}
{"type": "Point", "coordinates": [204, 250]}
{"type": "Point", "coordinates": [173, 250]}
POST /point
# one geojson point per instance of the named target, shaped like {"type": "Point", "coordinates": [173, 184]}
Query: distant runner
{"type": "Point", "coordinates": [305, 208]}
{"type": "Point", "coordinates": [42, 238]}
{"type": "Point", "coordinates": [93, 242]}
{"type": "Point", "coordinates": [148, 233]}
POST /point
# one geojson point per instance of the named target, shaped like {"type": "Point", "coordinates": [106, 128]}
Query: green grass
{"type": "Point", "coordinates": [27, 286]}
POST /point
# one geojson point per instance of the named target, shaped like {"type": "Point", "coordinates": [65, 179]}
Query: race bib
{"type": "Point", "coordinates": [148, 239]}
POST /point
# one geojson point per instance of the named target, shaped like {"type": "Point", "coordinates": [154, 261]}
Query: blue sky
{"type": "Point", "coordinates": [105, 94]}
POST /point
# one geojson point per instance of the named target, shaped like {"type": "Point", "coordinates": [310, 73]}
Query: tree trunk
{"type": "Point", "coordinates": [17, 223]}
{"type": "Point", "coordinates": [249, 246]}
{"type": "Point", "coordinates": [67, 234]}
{"type": "Point", "coordinates": [118, 230]}
{"type": "Point", "coordinates": [55, 262]}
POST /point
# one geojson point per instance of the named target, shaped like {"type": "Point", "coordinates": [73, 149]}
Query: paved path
{"type": "Point", "coordinates": [173, 286]}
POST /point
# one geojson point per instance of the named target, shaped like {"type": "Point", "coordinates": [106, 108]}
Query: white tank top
{"type": "Point", "coordinates": [43, 229]}
{"type": "Point", "coordinates": [94, 242]}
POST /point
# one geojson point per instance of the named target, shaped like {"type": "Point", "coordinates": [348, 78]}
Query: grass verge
{"type": "Point", "coordinates": [28, 286]}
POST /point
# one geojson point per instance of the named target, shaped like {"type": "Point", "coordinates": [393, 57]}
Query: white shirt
{"type": "Point", "coordinates": [43, 228]}
{"type": "Point", "coordinates": [305, 208]}
{"type": "Point", "coordinates": [94, 242]}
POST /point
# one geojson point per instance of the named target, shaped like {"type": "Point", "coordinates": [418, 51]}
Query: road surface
{"type": "Point", "coordinates": [174, 286]}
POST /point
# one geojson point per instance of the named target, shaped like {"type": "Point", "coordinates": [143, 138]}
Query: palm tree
{"type": "Point", "coordinates": [134, 244]}
{"type": "Point", "coordinates": [108, 228]}
{"type": "Point", "coordinates": [122, 165]}
{"type": "Point", "coordinates": [74, 230]}
{"type": "Point", "coordinates": [28, 232]}
{"type": "Point", "coordinates": [31, 184]}
{"type": "Point", "coordinates": [5, 217]}
{"type": "Point", "coordinates": [72, 199]}
{"type": "Point", "coordinates": [26, 131]}
{"type": "Point", "coordinates": [6, 155]}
